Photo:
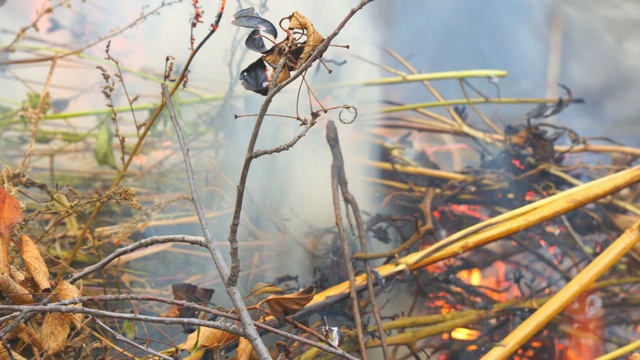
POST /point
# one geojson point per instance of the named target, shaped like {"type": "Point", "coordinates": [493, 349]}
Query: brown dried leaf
{"type": "Point", "coordinates": [174, 312]}
{"type": "Point", "coordinates": [298, 21]}
{"type": "Point", "coordinates": [263, 288]}
{"type": "Point", "coordinates": [54, 332]}
{"type": "Point", "coordinates": [13, 291]}
{"type": "Point", "coordinates": [67, 291]}
{"type": "Point", "coordinates": [282, 306]}
{"type": "Point", "coordinates": [244, 350]}
{"type": "Point", "coordinates": [10, 213]}
{"type": "Point", "coordinates": [35, 263]}
{"type": "Point", "coordinates": [27, 335]}
{"type": "Point", "coordinates": [19, 276]}
{"type": "Point", "coordinates": [4, 355]}
{"type": "Point", "coordinates": [273, 59]}
{"type": "Point", "coordinates": [208, 339]}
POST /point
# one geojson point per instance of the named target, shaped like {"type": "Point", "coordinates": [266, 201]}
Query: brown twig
{"type": "Point", "coordinates": [127, 341]}
{"type": "Point", "coordinates": [425, 206]}
{"type": "Point", "coordinates": [332, 139]}
{"type": "Point", "coordinates": [35, 116]}
{"type": "Point", "coordinates": [274, 89]}
{"type": "Point", "coordinates": [337, 172]}
{"type": "Point", "coordinates": [232, 290]}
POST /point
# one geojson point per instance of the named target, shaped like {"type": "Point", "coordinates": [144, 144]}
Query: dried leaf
{"type": "Point", "coordinates": [244, 350]}
{"type": "Point", "coordinates": [263, 288]}
{"type": "Point", "coordinates": [254, 77]}
{"type": "Point", "coordinates": [273, 60]}
{"type": "Point", "coordinates": [35, 263]}
{"type": "Point", "coordinates": [54, 332]}
{"type": "Point", "coordinates": [298, 21]}
{"type": "Point", "coordinates": [4, 355]}
{"type": "Point", "coordinates": [19, 276]}
{"type": "Point", "coordinates": [27, 335]}
{"type": "Point", "coordinates": [10, 213]}
{"type": "Point", "coordinates": [208, 338]}
{"type": "Point", "coordinates": [190, 293]}
{"type": "Point", "coordinates": [282, 306]}
{"type": "Point", "coordinates": [251, 18]}
{"type": "Point", "coordinates": [67, 291]}
{"type": "Point", "coordinates": [13, 291]}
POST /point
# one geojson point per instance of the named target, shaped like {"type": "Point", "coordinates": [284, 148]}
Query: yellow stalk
{"type": "Point", "coordinates": [566, 295]}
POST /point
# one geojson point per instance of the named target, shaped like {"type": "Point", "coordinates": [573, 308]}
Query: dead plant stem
{"type": "Point", "coordinates": [332, 139]}
{"type": "Point", "coordinates": [351, 205]}
{"type": "Point", "coordinates": [274, 89]}
{"type": "Point", "coordinates": [231, 288]}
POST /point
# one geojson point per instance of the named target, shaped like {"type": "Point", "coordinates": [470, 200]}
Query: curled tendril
{"type": "Point", "coordinates": [351, 110]}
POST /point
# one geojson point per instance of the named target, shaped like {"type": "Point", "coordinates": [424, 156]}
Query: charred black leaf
{"type": "Point", "coordinates": [250, 18]}
{"type": "Point", "coordinates": [255, 77]}
{"type": "Point", "coordinates": [191, 293]}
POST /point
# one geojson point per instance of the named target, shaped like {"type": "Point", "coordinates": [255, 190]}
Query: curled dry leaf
{"type": "Point", "coordinates": [208, 338]}
{"type": "Point", "coordinates": [282, 306]}
{"type": "Point", "coordinates": [298, 21]}
{"type": "Point", "coordinates": [35, 263]}
{"type": "Point", "coordinates": [27, 335]}
{"type": "Point", "coordinates": [19, 276]}
{"type": "Point", "coordinates": [4, 355]}
{"type": "Point", "coordinates": [10, 215]}
{"type": "Point", "coordinates": [67, 291]}
{"type": "Point", "coordinates": [244, 350]}
{"type": "Point", "coordinates": [53, 332]}
{"type": "Point", "coordinates": [263, 288]}
{"type": "Point", "coordinates": [13, 291]}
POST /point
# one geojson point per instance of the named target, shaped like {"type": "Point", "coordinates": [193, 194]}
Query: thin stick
{"type": "Point", "coordinates": [274, 89]}
{"type": "Point", "coordinates": [332, 139]}
{"type": "Point", "coordinates": [132, 343]}
{"type": "Point", "coordinates": [337, 171]}
{"type": "Point", "coordinates": [35, 116]}
{"type": "Point", "coordinates": [233, 292]}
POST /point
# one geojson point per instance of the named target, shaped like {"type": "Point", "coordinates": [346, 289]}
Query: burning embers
{"type": "Point", "coordinates": [479, 297]}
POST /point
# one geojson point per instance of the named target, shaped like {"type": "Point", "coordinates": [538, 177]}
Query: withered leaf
{"type": "Point", "coordinates": [282, 306]}
{"type": "Point", "coordinates": [10, 213]}
{"type": "Point", "coordinates": [67, 291]}
{"type": "Point", "coordinates": [4, 354]}
{"type": "Point", "coordinates": [263, 288]}
{"type": "Point", "coordinates": [35, 263]}
{"type": "Point", "coordinates": [298, 21]}
{"type": "Point", "coordinates": [251, 18]}
{"type": "Point", "coordinates": [54, 332]}
{"type": "Point", "coordinates": [244, 350]}
{"type": "Point", "coordinates": [208, 339]}
{"type": "Point", "coordinates": [254, 77]}
{"type": "Point", "coordinates": [13, 291]}
{"type": "Point", "coordinates": [19, 276]}
{"type": "Point", "coordinates": [190, 293]}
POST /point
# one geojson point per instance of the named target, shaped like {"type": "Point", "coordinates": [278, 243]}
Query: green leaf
{"type": "Point", "coordinates": [104, 146]}
{"type": "Point", "coordinates": [128, 329]}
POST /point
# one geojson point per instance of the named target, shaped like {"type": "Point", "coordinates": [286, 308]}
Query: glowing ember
{"type": "Point", "coordinates": [464, 334]}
